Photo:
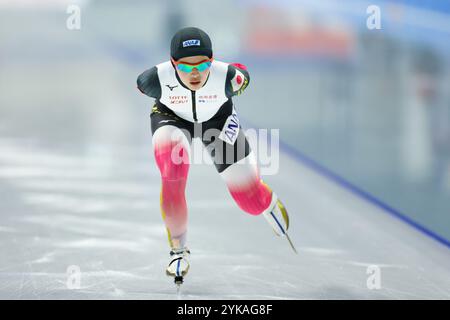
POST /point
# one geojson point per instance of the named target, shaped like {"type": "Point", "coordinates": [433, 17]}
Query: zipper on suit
{"type": "Point", "coordinates": [194, 110]}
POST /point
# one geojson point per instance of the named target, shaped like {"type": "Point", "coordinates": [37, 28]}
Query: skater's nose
{"type": "Point", "coordinates": [195, 74]}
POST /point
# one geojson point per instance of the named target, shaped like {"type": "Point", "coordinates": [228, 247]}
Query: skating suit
{"type": "Point", "coordinates": [178, 116]}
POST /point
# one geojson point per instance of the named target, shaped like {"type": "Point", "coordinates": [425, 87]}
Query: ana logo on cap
{"type": "Point", "coordinates": [190, 43]}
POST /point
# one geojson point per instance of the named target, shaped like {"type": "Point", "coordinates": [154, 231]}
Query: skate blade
{"type": "Point", "coordinates": [290, 242]}
{"type": "Point", "coordinates": [178, 280]}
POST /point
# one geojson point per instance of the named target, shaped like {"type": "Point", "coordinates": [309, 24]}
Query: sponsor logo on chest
{"type": "Point", "coordinates": [179, 99]}
{"type": "Point", "coordinates": [207, 98]}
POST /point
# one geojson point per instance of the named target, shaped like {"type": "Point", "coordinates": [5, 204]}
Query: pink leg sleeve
{"type": "Point", "coordinates": [246, 187]}
{"type": "Point", "coordinates": [171, 150]}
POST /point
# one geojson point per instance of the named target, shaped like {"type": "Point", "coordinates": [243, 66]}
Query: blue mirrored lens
{"type": "Point", "coordinates": [188, 68]}
{"type": "Point", "coordinates": [184, 67]}
{"type": "Point", "coordinates": [203, 66]}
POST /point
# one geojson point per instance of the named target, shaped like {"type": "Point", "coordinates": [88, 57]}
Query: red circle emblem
{"type": "Point", "coordinates": [239, 79]}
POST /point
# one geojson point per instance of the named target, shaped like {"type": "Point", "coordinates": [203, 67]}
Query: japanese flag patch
{"type": "Point", "coordinates": [237, 81]}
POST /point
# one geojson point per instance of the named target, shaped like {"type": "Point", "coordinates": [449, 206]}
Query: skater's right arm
{"type": "Point", "coordinates": [148, 83]}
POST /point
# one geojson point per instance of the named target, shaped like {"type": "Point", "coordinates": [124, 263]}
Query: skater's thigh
{"type": "Point", "coordinates": [171, 144]}
{"type": "Point", "coordinates": [168, 128]}
{"type": "Point", "coordinates": [225, 154]}
{"type": "Point", "coordinates": [170, 136]}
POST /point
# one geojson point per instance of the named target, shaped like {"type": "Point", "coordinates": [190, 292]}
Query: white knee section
{"type": "Point", "coordinates": [242, 172]}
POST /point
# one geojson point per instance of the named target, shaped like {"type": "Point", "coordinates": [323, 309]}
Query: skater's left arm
{"type": "Point", "coordinates": [238, 79]}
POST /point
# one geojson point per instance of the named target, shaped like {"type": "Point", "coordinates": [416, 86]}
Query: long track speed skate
{"type": "Point", "coordinates": [278, 218]}
{"type": "Point", "coordinates": [179, 265]}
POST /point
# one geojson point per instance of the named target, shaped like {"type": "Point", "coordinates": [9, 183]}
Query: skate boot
{"type": "Point", "coordinates": [278, 218]}
{"type": "Point", "coordinates": [179, 264]}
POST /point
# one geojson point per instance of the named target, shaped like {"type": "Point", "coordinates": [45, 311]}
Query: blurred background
{"type": "Point", "coordinates": [372, 106]}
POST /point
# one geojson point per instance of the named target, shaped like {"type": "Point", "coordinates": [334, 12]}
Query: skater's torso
{"type": "Point", "coordinates": [224, 80]}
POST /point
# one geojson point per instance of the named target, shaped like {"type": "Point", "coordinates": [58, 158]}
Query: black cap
{"type": "Point", "coordinates": [190, 41]}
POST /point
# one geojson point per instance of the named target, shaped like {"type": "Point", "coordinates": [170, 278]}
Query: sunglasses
{"type": "Point", "coordinates": [188, 67]}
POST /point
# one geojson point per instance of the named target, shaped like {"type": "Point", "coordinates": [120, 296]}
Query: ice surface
{"type": "Point", "coordinates": [109, 226]}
